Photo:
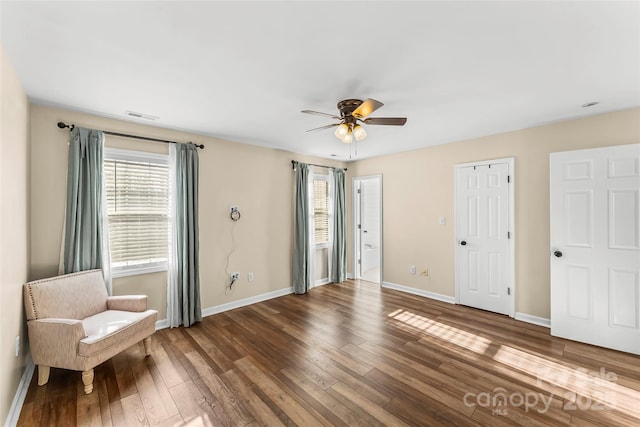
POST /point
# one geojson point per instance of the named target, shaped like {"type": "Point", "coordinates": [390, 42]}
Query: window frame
{"type": "Point", "coordinates": [147, 157]}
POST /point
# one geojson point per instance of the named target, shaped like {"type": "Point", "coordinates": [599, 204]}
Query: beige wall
{"type": "Point", "coordinates": [418, 187]}
{"type": "Point", "coordinates": [257, 179]}
{"type": "Point", "coordinates": [14, 231]}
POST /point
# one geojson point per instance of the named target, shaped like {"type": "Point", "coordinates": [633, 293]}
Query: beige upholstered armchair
{"type": "Point", "coordinates": [73, 323]}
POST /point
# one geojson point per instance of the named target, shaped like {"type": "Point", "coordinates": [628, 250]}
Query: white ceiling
{"type": "Point", "coordinates": [242, 71]}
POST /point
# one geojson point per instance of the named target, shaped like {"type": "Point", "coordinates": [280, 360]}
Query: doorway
{"type": "Point", "coordinates": [485, 240]}
{"type": "Point", "coordinates": [367, 209]}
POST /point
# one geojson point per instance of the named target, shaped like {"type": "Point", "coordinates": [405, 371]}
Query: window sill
{"type": "Point", "coordinates": [134, 271]}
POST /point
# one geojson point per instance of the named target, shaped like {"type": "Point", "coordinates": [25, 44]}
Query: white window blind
{"type": "Point", "coordinates": [138, 207]}
{"type": "Point", "coordinates": [321, 210]}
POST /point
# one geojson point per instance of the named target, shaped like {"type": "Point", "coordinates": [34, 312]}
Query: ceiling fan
{"type": "Point", "coordinates": [352, 113]}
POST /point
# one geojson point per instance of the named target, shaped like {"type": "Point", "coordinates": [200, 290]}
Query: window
{"type": "Point", "coordinates": [137, 186]}
{"type": "Point", "coordinates": [321, 209]}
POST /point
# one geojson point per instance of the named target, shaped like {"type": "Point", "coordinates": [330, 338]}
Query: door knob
{"type": "Point", "coordinates": [463, 243]}
{"type": "Point", "coordinates": [557, 254]}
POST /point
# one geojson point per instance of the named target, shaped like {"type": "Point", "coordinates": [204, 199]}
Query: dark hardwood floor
{"type": "Point", "coordinates": [349, 354]}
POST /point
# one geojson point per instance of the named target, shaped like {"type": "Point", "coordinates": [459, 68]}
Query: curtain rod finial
{"type": "Point", "coordinates": [63, 125]}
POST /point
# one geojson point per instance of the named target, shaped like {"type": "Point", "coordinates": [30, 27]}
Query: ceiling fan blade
{"type": "Point", "coordinates": [325, 127]}
{"type": "Point", "coordinates": [391, 121]}
{"type": "Point", "coordinates": [366, 108]}
{"type": "Point", "coordinates": [318, 113]}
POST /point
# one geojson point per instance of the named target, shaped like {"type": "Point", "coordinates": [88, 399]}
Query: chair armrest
{"type": "Point", "coordinates": [127, 303]}
{"type": "Point", "coordinates": [54, 342]}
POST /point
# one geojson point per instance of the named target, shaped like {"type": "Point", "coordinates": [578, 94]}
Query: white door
{"type": "Point", "coordinates": [484, 260]}
{"type": "Point", "coordinates": [595, 246]}
{"type": "Point", "coordinates": [368, 192]}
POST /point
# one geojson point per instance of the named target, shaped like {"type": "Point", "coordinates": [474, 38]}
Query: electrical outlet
{"type": "Point", "coordinates": [412, 269]}
{"type": "Point", "coordinates": [17, 345]}
{"type": "Point", "coordinates": [250, 277]}
{"type": "Point", "coordinates": [425, 272]}
{"type": "Point", "coordinates": [235, 276]}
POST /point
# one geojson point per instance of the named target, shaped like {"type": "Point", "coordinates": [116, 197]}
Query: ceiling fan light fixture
{"type": "Point", "coordinates": [348, 138]}
{"type": "Point", "coordinates": [342, 131]}
{"type": "Point", "coordinates": [359, 133]}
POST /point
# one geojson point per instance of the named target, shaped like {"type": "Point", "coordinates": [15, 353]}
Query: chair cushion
{"type": "Point", "coordinates": [112, 327]}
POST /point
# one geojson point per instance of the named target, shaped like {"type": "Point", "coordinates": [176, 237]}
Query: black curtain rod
{"type": "Point", "coordinates": [295, 162]}
{"type": "Point", "coordinates": [63, 125]}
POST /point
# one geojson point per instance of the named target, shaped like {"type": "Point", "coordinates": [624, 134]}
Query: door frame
{"type": "Point", "coordinates": [357, 273]}
{"type": "Point", "coordinates": [511, 274]}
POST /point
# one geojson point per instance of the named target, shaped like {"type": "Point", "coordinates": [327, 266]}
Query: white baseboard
{"type": "Point", "coordinates": [21, 393]}
{"type": "Point", "coordinates": [162, 324]}
{"type": "Point", "coordinates": [244, 302]}
{"type": "Point", "coordinates": [540, 321]}
{"type": "Point", "coordinates": [350, 276]}
{"type": "Point", "coordinates": [419, 292]}
{"type": "Point", "coordinates": [321, 282]}
{"type": "Point", "coordinates": [523, 317]}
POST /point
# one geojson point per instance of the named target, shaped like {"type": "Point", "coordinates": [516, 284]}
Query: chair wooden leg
{"type": "Point", "coordinates": [147, 346]}
{"type": "Point", "coordinates": [87, 379]}
{"type": "Point", "coordinates": [43, 374]}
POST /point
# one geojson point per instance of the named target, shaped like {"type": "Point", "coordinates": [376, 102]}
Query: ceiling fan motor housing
{"type": "Point", "coordinates": [346, 109]}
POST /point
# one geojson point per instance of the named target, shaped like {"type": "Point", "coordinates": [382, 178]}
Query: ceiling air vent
{"type": "Point", "coordinates": [140, 115]}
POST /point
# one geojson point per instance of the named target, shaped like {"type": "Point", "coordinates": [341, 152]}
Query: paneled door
{"type": "Point", "coordinates": [484, 254]}
{"type": "Point", "coordinates": [368, 227]}
{"type": "Point", "coordinates": [595, 246]}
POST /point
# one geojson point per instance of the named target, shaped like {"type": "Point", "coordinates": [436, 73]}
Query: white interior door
{"type": "Point", "coordinates": [595, 246]}
{"type": "Point", "coordinates": [368, 215]}
{"type": "Point", "coordinates": [484, 254]}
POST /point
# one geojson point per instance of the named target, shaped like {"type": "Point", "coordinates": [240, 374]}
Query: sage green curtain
{"type": "Point", "coordinates": [184, 273]}
{"type": "Point", "coordinates": [85, 243]}
{"type": "Point", "coordinates": [301, 237]}
{"type": "Point", "coordinates": [339, 250]}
